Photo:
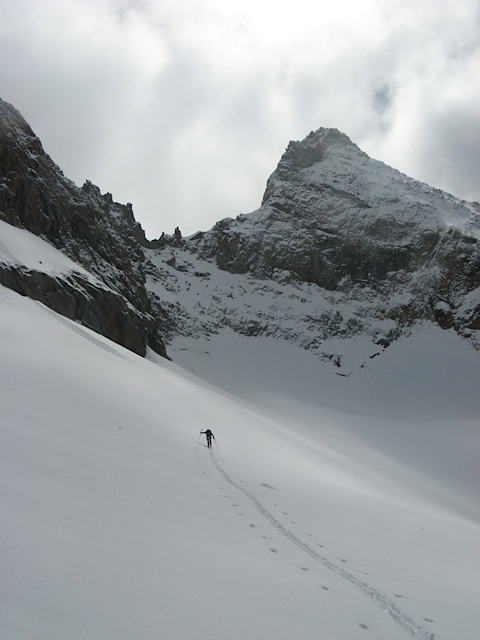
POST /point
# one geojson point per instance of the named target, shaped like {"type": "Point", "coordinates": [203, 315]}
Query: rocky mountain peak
{"type": "Point", "coordinates": [334, 217]}
{"type": "Point", "coordinates": [342, 247]}
{"type": "Point", "coordinates": [314, 148]}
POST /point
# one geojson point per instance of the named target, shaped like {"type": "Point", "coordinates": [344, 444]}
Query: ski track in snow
{"type": "Point", "coordinates": [414, 629]}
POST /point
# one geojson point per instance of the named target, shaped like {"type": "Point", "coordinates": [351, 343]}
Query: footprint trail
{"type": "Point", "coordinates": [414, 629]}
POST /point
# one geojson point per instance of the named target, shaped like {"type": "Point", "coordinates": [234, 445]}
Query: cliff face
{"type": "Point", "coordinates": [89, 227]}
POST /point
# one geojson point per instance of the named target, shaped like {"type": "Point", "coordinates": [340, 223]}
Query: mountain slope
{"type": "Point", "coordinates": [343, 246]}
{"type": "Point", "coordinates": [118, 522]}
{"type": "Point", "coordinates": [100, 235]}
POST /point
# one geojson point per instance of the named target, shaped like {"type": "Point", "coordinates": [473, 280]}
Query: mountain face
{"type": "Point", "coordinates": [342, 247]}
{"type": "Point", "coordinates": [100, 235]}
{"type": "Point", "coordinates": [334, 217]}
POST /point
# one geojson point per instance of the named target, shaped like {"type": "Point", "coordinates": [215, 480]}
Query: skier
{"type": "Point", "coordinates": [209, 435]}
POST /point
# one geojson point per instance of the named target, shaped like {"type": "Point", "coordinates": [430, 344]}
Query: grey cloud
{"type": "Point", "coordinates": [184, 109]}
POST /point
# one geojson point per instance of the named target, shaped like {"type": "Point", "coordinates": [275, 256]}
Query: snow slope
{"type": "Point", "coordinates": [22, 249]}
{"type": "Point", "coordinates": [325, 512]}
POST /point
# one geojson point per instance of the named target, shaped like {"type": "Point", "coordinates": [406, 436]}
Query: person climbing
{"type": "Point", "coordinates": [209, 435]}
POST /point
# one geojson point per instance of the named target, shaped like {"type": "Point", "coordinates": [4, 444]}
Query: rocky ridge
{"type": "Point", "coordinates": [94, 231]}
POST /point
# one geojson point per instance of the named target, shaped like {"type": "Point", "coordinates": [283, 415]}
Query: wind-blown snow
{"type": "Point", "coordinates": [336, 507]}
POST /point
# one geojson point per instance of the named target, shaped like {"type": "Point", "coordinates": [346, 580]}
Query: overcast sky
{"type": "Point", "coordinates": [184, 107]}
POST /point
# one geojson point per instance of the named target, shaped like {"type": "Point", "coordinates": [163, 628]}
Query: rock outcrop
{"type": "Point", "coordinates": [93, 230]}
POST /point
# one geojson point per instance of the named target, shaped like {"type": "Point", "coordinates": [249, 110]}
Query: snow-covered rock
{"type": "Point", "coordinates": [352, 247]}
{"type": "Point", "coordinates": [98, 234]}
{"type": "Point", "coordinates": [342, 247]}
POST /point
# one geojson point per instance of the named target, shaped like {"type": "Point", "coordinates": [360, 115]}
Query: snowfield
{"type": "Point", "coordinates": [338, 503]}
{"type": "Point", "coordinates": [334, 508]}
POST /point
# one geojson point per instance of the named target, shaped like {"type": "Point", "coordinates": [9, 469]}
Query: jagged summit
{"type": "Point", "coordinates": [328, 180]}
{"type": "Point", "coordinates": [314, 148]}
{"type": "Point", "coordinates": [331, 212]}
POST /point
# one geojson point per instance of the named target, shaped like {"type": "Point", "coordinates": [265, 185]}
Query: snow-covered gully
{"type": "Point", "coordinates": [414, 629]}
